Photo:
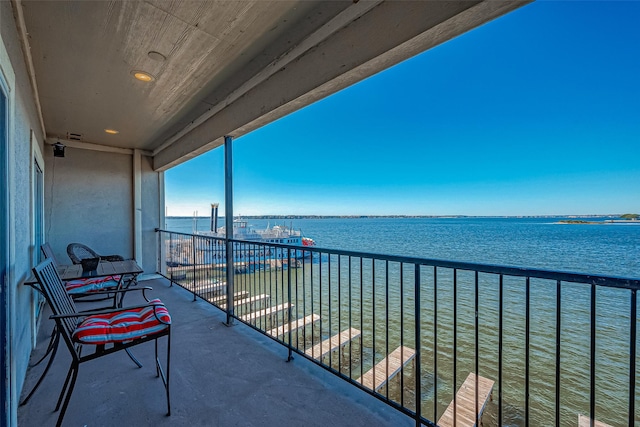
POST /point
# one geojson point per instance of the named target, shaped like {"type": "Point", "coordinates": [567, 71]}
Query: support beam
{"type": "Point", "coordinates": [228, 219]}
{"type": "Point", "coordinates": [137, 207]}
{"type": "Point", "coordinates": [161, 266]}
{"type": "Point", "coordinates": [95, 147]}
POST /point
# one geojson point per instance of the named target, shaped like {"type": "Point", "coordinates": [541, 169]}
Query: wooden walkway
{"type": "Point", "coordinates": [585, 421]}
{"type": "Point", "coordinates": [266, 312]}
{"type": "Point", "coordinates": [318, 351]}
{"type": "Point", "coordinates": [465, 402]}
{"type": "Point", "coordinates": [378, 376]}
{"type": "Point", "coordinates": [298, 323]}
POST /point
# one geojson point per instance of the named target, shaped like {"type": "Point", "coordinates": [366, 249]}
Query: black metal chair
{"type": "Point", "coordinates": [82, 288]}
{"type": "Point", "coordinates": [48, 253]}
{"type": "Point", "coordinates": [77, 252]}
{"type": "Point", "coordinates": [108, 331]}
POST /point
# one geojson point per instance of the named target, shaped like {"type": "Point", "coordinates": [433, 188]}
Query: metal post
{"type": "Point", "coordinates": [418, 337]}
{"type": "Point", "coordinates": [527, 346]}
{"type": "Point", "coordinates": [592, 376]}
{"type": "Point", "coordinates": [632, 356]}
{"type": "Point", "coordinates": [290, 344]}
{"type": "Point", "coordinates": [193, 247]}
{"type": "Point", "coordinates": [214, 217]}
{"type": "Point", "coordinates": [558, 332]}
{"type": "Point", "coordinates": [455, 346]}
{"type": "Point", "coordinates": [170, 256]}
{"type": "Point", "coordinates": [228, 219]}
{"type": "Point", "coordinates": [500, 330]}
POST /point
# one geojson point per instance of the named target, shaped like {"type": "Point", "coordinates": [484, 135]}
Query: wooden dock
{"type": "Point", "coordinates": [378, 376]}
{"type": "Point", "coordinates": [585, 421]}
{"type": "Point", "coordinates": [208, 287]}
{"type": "Point", "coordinates": [265, 312]}
{"type": "Point", "coordinates": [238, 265]}
{"type": "Point", "coordinates": [186, 267]}
{"type": "Point", "coordinates": [298, 323]}
{"type": "Point", "coordinates": [318, 351]}
{"type": "Point", "coordinates": [223, 298]}
{"type": "Point", "coordinates": [248, 300]}
{"type": "Point", "coordinates": [465, 402]}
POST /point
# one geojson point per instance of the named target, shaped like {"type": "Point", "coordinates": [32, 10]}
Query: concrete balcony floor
{"type": "Point", "coordinates": [220, 376]}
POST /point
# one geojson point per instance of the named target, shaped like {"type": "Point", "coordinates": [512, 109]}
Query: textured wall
{"type": "Point", "coordinates": [89, 200]}
{"type": "Point", "coordinates": [23, 119]}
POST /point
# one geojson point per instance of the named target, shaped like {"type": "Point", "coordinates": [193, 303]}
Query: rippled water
{"type": "Point", "coordinates": [611, 249]}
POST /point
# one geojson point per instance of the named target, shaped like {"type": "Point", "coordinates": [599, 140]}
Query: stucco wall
{"type": "Point", "coordinates": [23, 119]}
{"type": "Point", "coordinates": [89, 200]}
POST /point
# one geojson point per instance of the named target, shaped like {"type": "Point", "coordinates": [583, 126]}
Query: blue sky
{"type": "Point", "coordinates": [535, 113]}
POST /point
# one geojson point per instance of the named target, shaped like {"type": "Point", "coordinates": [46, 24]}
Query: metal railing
{"type": "Point", "coordinates": [546, 347]}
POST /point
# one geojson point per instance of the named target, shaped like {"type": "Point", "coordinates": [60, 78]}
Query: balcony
{"type": "Point", "coordinates": [449, 320]}
{"type": "Point", "coordinates": [472, 343]}
{"type": "Point", "coordinates": [219, 376]}
{"type": "Point", "coordinates": [547, 347]}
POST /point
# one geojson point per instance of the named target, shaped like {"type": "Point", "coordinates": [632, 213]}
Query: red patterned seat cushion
{"type": "Point", "coordinates": [93, 284]}
{"type": "Point", "coordinates": [122, 326]}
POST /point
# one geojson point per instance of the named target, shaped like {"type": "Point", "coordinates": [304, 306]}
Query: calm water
{"type": "Point", "coordinates": [611, 249]}
{"type": "Point", "coordinates": [608, 249]}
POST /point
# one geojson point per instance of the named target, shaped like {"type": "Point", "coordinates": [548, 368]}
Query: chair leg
{"type": "Point", "coordinates": [64, 387]}
{"type": "Point", "coordinates": [53, 348]}
{"type": "Point", "coordinates": [168, 372]}
{"type": "Point", "coordinates": [132, 357]}
{"type": "Point", "coordinates": [74, 369]}
{"type": "Point", "coordinates": [54, 335]}
{"type": "Point", "coordinates": [165, 376]}
{"type": "Point", "coordinates": [155, 342]}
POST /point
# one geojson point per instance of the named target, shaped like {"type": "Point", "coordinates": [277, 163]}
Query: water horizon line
{"type": "Point", "coordinates": [356, 216]}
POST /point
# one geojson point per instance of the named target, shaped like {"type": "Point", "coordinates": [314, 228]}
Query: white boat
{"type": "Point", "coordinates": [242, 231]}
{"type": "Point", "coordinates": [263, 253]}
{"type": "Point", "coordinates": [277, 234]}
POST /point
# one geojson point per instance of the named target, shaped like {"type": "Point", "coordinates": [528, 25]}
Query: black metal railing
{"type": "Point", "coordinates": [527, 346]}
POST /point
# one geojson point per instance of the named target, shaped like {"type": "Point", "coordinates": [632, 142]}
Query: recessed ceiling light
{"type": "Point", "coordinates": [112, 131]}
{"type": "Point", "coordinates": [143, 76]}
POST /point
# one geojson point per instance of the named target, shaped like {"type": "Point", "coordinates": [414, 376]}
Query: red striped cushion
{"type": "Point", "coordinates": [123, 326]}
{"type": "Point", "coordinates": [93, 284]}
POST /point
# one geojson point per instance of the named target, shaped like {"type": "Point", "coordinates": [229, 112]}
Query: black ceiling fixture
{"type": "Point", "coordinates": [58, 149]}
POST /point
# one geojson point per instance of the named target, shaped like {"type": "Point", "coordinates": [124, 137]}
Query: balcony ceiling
{"type": "Point", "coordinates": [229, 66]}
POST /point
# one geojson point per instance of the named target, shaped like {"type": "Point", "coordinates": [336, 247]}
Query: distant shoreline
{"type": "Point", "coordinates": [610, 221]}
{"type": "Point", "coordinates": [581, 222]}
{"type": "Point", "coordinates": [573, 218]}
